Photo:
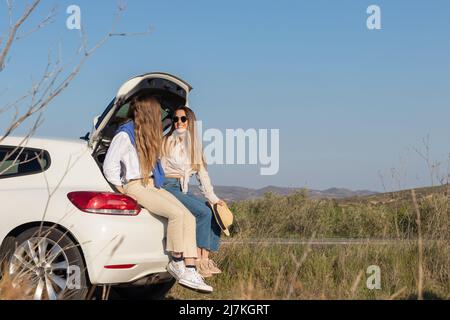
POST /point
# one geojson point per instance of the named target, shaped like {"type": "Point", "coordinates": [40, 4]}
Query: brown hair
{"type": "Point", "coordinates": [146, 112]}
{"type": "Point", "coordinates": [196, 150]}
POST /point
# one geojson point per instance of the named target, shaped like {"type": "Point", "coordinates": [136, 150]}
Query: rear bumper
{"type": "Point", "coordinates": [120, 241]}
{"type": "Point", "coordinates": [142, 269]}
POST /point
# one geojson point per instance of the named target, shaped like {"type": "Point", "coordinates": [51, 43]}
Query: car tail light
{"type": "Point", "coordinates": [120, 266]}
{"type": "Point", "coordinates": [104, 203]}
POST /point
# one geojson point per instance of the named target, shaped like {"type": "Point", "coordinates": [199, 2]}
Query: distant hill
{"type": "Point", "coordinates": [404, 195]}
{"type": "Point", "coordinates": [231, 193]}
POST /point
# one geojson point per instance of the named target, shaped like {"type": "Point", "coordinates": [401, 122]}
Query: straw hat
{"type": "Point", "coordinates": [223, 215]}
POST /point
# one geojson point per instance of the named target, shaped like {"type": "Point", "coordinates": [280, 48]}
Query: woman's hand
{"type": "Point", "coordinates": [221, 203]}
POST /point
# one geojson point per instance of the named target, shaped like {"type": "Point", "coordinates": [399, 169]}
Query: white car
{"type": "Point", "coordinates": [65, 226]}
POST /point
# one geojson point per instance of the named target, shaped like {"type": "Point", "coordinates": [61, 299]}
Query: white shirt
{"type": "Point", "coordinates": [177, 163]}
{"type": "Point", "coordinates": [121, 161]}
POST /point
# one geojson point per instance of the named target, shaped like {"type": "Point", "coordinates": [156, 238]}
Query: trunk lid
{"type": "Point", "coordinates": [171, 90]}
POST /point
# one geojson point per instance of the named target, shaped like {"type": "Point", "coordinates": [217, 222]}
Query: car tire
{"type": "Point", "coordinates": [149, 292]}
{"type": "Point", "coordinates": [52, 261]}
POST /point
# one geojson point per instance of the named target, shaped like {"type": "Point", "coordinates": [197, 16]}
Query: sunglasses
{"type": "Point", "coordinates": [176, 119]}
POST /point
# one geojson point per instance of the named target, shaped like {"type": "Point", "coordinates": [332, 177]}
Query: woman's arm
{"type": "Point", "coordinates": [206, 187]}
{"type": "Point", "coordinates": [111, 165]}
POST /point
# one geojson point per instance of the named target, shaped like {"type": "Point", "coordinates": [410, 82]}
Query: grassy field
{"type": "Point", "coordinates": [329, 272]}
{"type": "Point", "coordinates": [416, 264]}
{"type": "Point", "coordinates": [390, 215]}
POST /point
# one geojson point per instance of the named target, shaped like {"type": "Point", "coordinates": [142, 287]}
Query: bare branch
{"type": "Point", "coordinates": [49, 87]}
{"type": "Point", "coordinates": [20, 147]}
{"type": "Point", "coordinates": [13, 31]}
{"type": "Point", "coordinates": [14, 103]}
{"type": "Point", "coordinates": [9, 3]}
{"type": "Point", "coordinates": [47, 20]}
{"type": "Point", "coordinates": [419, 247]}
{"type": "Point", "coordinates": [150, 30]}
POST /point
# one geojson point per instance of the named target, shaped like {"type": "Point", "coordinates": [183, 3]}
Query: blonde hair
{"type": "Point", "coordinates": [146, 113]}
{"type": "Point", "coordinates": [192, 140]}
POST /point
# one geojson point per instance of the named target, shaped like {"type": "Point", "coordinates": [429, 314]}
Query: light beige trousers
{"type": "Point", "coordinates": [181, 225]}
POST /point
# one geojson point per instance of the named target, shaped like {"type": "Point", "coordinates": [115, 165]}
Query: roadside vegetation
{"type": "Point", "coordinates": [14, 289]}
{"type": "Point", "coordinates": [383, 216]}
{"type": "Point", "coordinates": [414, 263]}
{"type": "Point", "coordinates": [326, 272]}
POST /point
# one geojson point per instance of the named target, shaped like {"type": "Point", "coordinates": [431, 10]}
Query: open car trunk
{"type": "Point", "coordinates": [171, 92]}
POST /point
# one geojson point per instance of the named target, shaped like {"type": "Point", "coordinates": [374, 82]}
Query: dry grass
{"type": "Point", "coordinates": [14, 289]}
{"type": "Point", "coordinates": [417, 268]}
{"type": "Point", "coordinates": [331, 272]}
{"type": "Point", "coordinates": [298, 216]}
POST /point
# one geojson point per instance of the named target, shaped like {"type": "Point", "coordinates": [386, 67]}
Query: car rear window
{"type": "Point", "coordinates": [19, 161]}
{"type": "Point", "coordinates": [122, 115]}
{"type": "Point", "coordinates": [123, 111]}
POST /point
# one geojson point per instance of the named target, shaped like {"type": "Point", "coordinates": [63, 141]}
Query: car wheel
{"type": "Point", "coordinates": [149, 292]}
{"type": "Point", "coordinates": [47, 263]}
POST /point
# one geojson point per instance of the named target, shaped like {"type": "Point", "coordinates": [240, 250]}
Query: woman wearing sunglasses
{"type": "Point", "coordinates": [182, 157]}
{"type": "Point", "coordinates": [132, 165]}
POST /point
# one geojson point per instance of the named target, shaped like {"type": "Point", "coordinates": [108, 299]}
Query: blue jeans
{"type": "Point", "coordinates": [207, 229]}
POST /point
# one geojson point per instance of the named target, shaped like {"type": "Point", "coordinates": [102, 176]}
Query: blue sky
{"type": "Point", "coordinates": [350, 103]}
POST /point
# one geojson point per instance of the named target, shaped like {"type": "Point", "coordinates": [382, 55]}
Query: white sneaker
{"type": "Point", "coordinates": [192, 279]}
{"type": "Point", "coordinates": [176, 269]}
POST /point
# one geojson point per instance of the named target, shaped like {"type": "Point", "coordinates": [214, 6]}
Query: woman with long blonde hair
{"type": "Point", "coordinates": [132, 164]}
{"type": "Point", "coordinates": [183, 157]}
